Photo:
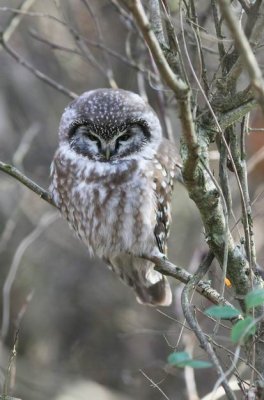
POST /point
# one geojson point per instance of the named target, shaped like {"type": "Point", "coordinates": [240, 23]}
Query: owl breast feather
{"type": "Point", "coordinates": [111, 206]}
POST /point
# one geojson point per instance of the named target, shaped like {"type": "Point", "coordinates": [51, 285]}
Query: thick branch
{"type": "Point", "coordinates": [167, 268]}
{"type": "Point", "coordinates": [236, 114]}
{"type": "Point", "coordinates": [176, 84]}
{"type": "Point", "coordinates": [206, 196]}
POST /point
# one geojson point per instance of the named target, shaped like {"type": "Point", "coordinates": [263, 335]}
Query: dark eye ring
{"type": "Point", "coordinates": [84, 130]}
{"type": "Point", "coordinates": [91, 137]}
{"type": "Point", "coordinates": [124, 138]}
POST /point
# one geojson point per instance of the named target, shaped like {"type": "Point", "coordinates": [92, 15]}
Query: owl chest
{"type": "Point", "coordinates": [113, 212]}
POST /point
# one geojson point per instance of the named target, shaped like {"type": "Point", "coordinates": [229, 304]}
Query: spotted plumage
{"type": "Point", "coordinates": [112, 179]}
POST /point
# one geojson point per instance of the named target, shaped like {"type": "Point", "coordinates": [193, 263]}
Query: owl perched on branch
{"type": "Point", "coordinates": [112, 179]}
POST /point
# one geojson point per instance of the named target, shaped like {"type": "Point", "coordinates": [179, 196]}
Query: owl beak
{"type": "Point", "coordinates": [108, 151]}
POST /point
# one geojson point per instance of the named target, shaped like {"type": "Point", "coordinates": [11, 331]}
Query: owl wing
{"type": "Point", "coordinates": [152, 287]}
{"type": "Point", "coordinates": [167, 169]}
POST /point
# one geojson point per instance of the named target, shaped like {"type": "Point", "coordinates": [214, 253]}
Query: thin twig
{"type": "Point", "coordinates": [24, 145]}
{"type": "Point", "coordinates": [109, 70]}
{"type": "Point", "coordinates": [223, 175]}
{"type": "Point", "coordinates": [175, 83]}
{"type": "Point", "coordinates": [189, 374]}
{"type": "Point", "coordinates": [10, 369]}
{"type": "Point", "coordinates": [239, 154]}
{"type": "Point", "coordinates": [155, 385]}
{"type": "Point", "coordinates": [46, 220]}
{"type": "Point", "coordinates": [245, 5]}
{"type": "Point", "coordinates": [255, 129]}
{"type": "Point", "coordinates": [220, 42]}
{"type": "Point", "coordinates": [196, 30]}
{"type": "Point", "coordinates": [33, 14]}
{"type": "Point", "coordinates": [237, 353]}
{"type": "Point", "coordinates": [205, 344]}
{"type": "Point", "coordinates": [52, 45]}
{"type": "Point", "coordinates": [40, 75]}
{"type": "Point", "coordinates": [98, 45]}
{"type": "Point", "coordinates": [245, 49]}
{"type": "Point", "coordinates": [16, 18]}
{"type": "Point", "coordinates": [209, 337]}
{"type": "Point", "coordinates": [15, 173]}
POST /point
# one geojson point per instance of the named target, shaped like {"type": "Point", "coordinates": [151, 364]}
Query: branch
{"type": "Point", "coordinates": [94, 18]}
{"type": "Point", "coordinates": [195, 147]}
{"type": "Point", "coordinates": [205, 343]}
{"type": "Point", "coordinates": [245, 51]}
{"type": "Point", "coordinates": [253, 31]}
{"type": "Point", "coordinates": [245, 5]}
{"type": "Point", "coordinates": [232, 116]}
{"type": "Point", "coordinates": [98, 45]}
{"type": "Point", "coordinates": [162, 265]}
{"type": "Point", "coordinates": [15, 173]}
{"type": "Point", "coordinates": [237, 146]}
{"type": "Point", "coordinates": [176, 84]}
{"type": "Point", "coordinates": [165, 267]}
{"type": "Point", "coordinates": [51, 82]}
{"type": "Point", "coordinates": [17, 18]}
{"type": "Point", "coordinates": [45, 221]}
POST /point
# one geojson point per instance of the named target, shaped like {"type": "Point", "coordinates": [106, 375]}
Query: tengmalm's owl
{"type": "Point", "coordinates": [112, 178]}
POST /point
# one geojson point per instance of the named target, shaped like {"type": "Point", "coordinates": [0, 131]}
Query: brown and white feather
{"type": "Point", "coordinates": [120, 209]}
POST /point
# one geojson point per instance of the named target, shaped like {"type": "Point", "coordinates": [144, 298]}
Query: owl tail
{"type": "Point", "coordinates": [151, 287]}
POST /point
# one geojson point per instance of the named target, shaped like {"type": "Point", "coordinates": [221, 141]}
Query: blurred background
{"type": "Point", "coordinates": [82, 334]}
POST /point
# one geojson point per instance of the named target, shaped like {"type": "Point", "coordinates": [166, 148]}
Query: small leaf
{"type": "Point", "coordinates": [240, 330]}
{"type": "Point", "coordinates": [254, 298]}
{"type": "Point", "coordinates": [178, 357]}
{"type": "Point", "coordinates": [198, 364]}
{"type": "Point", "coordinates": [223, 312]}
{"type": "Point", "coordinates": [182, 359]}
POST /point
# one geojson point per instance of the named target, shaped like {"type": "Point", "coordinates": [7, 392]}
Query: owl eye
{"type": "Point", "coordinates": [124, 137]}
{"type": "Point", "coordinates": [84, 130]}
{"type": "Point", "coordinates": [91, 136]}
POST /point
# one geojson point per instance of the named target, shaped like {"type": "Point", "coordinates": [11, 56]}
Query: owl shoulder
{"type": "Point", "coordinates": [167, 160]}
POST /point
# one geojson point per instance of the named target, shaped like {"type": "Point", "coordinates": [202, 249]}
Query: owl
{"type": "Point", "coordinates": [112, 179]}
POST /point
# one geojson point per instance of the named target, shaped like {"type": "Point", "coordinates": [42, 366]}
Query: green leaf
{"type": "Point", "coordinates": [198, 364]}
{"type": "Point", "coordinates": [182, 359]}
{"type": "Point", "coordinates": [223, 312]}
{"type": "Point", "coordinates": [240, 330]}
{"type": "Point", "coordinates": [254, 298]}
{"type": "Point", "coordinates": [178, 357]}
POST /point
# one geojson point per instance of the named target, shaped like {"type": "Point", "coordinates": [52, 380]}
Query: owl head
{"type": "Point", "coordinates": [107, 125]}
